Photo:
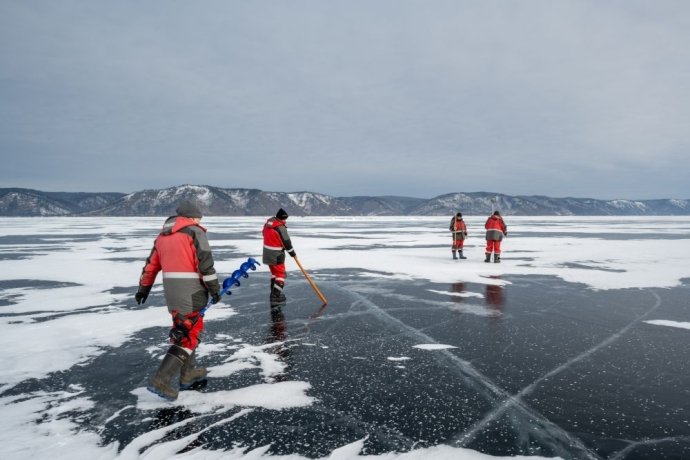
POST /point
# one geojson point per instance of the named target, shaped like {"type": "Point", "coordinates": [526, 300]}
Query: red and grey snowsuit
{"type": "Point", "coordinates": [182, 252]}
{"type": "Point", "coordinates": [495, 230]}
{"type": "Point", "coordinates": [459, 231]}
{"type": "Point", "coordinates": [276, 242]}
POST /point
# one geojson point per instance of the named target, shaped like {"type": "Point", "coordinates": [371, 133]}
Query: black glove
{"type": "Point", "coordinates": [292, 253]}
{"type": "Point", "coordinates": [142, 294]}
{"type": "Point", "coordinates": [215, 296]}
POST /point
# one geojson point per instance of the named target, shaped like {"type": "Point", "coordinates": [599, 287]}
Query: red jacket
{"type": "Point", "coordinates": [276, 241]}
{"type": "Point", "coordinates": [495, 228]}
{"type": "Point", "coordinates": [182, 252]}
{"type": "Point", "coordinates": [458, 228]}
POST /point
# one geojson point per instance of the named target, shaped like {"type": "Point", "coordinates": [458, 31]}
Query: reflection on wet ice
{"type": "Point", "coordinates": [458, 288]}
{"type": "Point", "coordinates": [277, 332]}
{"type": "Point", "coordinates": [494, 298]}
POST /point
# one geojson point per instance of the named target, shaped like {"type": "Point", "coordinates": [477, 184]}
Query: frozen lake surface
{"type": "Point", "coordinates": [574, 346]}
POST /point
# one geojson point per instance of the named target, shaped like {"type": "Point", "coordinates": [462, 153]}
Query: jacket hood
{"type": "Point", "coordinates": [176, 223]}
{"type": "Point", "coordinates": [275, 222]}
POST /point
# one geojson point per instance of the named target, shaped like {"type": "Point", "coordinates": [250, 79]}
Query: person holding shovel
{"type": "Point", "coordinates": [276, 242]}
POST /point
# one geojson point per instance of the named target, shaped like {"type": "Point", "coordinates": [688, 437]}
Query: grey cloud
{"type": "Point", "coordinates": [392, 97]}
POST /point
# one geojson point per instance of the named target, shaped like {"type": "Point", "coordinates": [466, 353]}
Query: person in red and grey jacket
{"type": "Point", "coordinates": [495, 231]}
{"type": "Point", "coordinates": [459, 232]}
{"type": "Point", "coordinates": [276, 242]}
{"type": "Point", "coordinates": [182, 252]}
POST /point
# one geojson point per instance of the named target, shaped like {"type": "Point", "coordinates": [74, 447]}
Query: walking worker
{"type": "Point", "coordinates": [495, 231]}
{"type": "Point", "coordinates": [276, 242]}
{"type": "Point", "coordinates": [459, 232]}
{"type": "Point", "coordinates": [182, 252]}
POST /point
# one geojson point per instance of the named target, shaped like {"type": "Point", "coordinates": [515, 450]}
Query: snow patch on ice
{"type": "Point", "coordinates": [169, 449]}
{"type": "Point", "coordinates": [56, 437]}
{"type": "Point", "coordinates": [275, 396]}
{"type": "Point", "coordinates": [249, 357]}
{"type": "Point", "coordinates": [76, 338]}
{"type": "Point", "coordinates": [458, 294]}
{"type": "Point", "coordinates": [663, 322]}
{"type": "Point", "coordinates": [433, 346]}
{"type": "Point", "coordinates": [478, 310]}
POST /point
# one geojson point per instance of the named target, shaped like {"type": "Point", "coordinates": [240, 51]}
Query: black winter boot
{"type": "Point", "coordinates": [488, 257]}
{"type": "Point", "coordinates": [454, 256]}
{"type": "Point", "coordinates": [460, 254]}
{"type": "Point", "coordinates": [191, 374]}
{"type": "Point", "coordinates": [277, 296]}
{"type": "Point", "coordinates": [165, 382]}
{"type": "Point", "coordinates": [497, 258]}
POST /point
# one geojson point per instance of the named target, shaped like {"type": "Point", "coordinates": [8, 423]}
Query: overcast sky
{"type": "Point", "coordinates": [415, 98]}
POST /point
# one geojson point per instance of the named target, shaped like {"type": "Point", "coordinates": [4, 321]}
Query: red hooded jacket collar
{"type": "Point", "coordinates": [176, 223]}
{"type": "Point", "coordinates": [275, 222]}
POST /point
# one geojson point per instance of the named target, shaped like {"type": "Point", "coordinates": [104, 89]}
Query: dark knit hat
{"type": "Point", "coordinates": [282, 214]}
{"type": "Point", "coordinates": [458, 214]}
{"type": "Point", "coordinates": [496, 213]}
{"type": "Point", "coordinates": [188, 209]}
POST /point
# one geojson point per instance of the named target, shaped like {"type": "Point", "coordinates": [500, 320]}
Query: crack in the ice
{"type": "Point", "coordinates": [469, 435]}
{"type": "Point", "coordinates": [484, 385]}
{"type": "Point", "coordinates": [635, 444]}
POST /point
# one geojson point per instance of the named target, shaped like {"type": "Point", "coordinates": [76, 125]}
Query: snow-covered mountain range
{"type": "Point", "coordinates": [249, 202]}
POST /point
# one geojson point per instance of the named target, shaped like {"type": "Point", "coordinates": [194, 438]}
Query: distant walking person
{"type": "Point", "coordinates": [495, 231]}
{"type": "Point", "coordinates": [182, 252]}
{"type": "Point", "coordinates": [459, 231]}
{"type": "Point", "coordinates": [276, 242]}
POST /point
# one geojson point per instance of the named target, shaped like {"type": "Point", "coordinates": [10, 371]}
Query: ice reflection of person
{"type": "Point", "coordinates": [277, 332]}
{"type": "Point", "coordinates": [459, 231]}
{"type": "Point", "coordinates": [458, 288]}
{"type": "Point", "coordinates": [494, 299]}
{"type": "Point", "coordinates": [495, 231]}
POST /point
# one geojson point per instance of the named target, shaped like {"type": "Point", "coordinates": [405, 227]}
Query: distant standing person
{"type": "Point", "coordinates": [459, 231]}
{"type": "Point", "coordinates": [495, 231]}
{"type": "Point", "coordinates": [276, 242]}
{"type": "Point", "coordinates": [182, 252]}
